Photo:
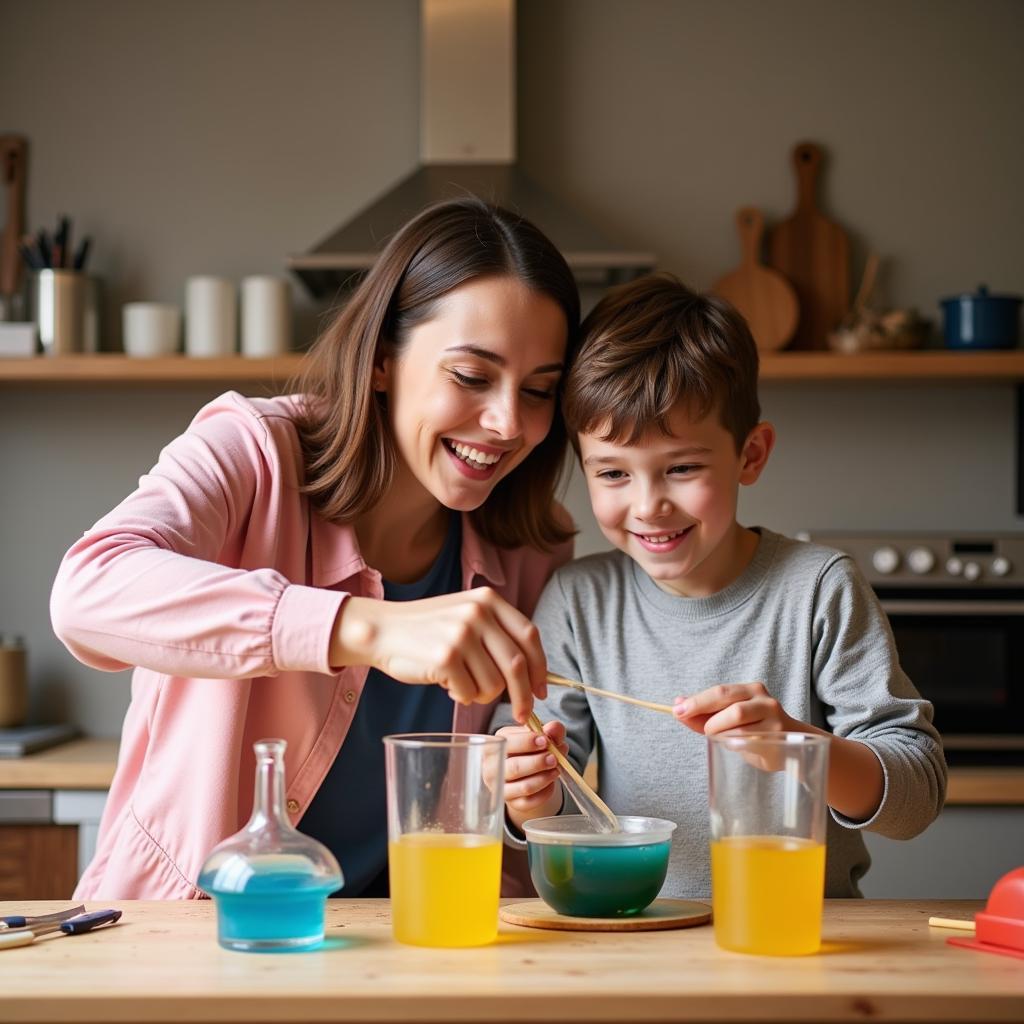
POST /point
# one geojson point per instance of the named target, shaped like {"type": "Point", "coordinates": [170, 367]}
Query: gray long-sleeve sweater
{"type": "Point", "coordinates": [802, 620]}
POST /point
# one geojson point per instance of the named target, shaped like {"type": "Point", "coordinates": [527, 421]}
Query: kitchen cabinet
{"type": "Point", "coordinates": [37, 860]}
{"type": "Point", "coordinates": [50, 808]}
{"type": "Point", "coordinates": [880, 961]}
{"type": "Point", "coordinates": [923, 366]}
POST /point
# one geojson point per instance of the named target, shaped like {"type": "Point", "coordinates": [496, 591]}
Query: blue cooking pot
{"type": "Point", "coordinates": [981, 320]}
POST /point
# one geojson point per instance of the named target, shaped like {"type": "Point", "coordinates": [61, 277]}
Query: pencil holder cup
{"type": "Point", "coordinates": [64, 304]}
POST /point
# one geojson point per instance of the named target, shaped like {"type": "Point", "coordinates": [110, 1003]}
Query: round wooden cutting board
{"type": "Point", "coordinates": [660, 915]}
{"type": "Point", "coordinates": [765, 298]}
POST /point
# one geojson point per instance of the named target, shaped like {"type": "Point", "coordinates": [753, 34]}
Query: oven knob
{"type": "Point", "coordinates": [972, 571]}
{"type": "Point", "coordinates": [921, 561]}
{"type": "Point", "coordinates": [954, 566]}
{"type": "Point", "coordinates": [886, 560]}
{"type": "Point", "coordinates": [1000, 566]}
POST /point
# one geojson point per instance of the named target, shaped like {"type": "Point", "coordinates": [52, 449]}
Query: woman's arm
{"type": "Point", "coordinates": [158, 581]}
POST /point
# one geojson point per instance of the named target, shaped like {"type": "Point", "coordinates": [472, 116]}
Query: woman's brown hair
{"type": "Point", "coordinates": [651, 344]}
{"type": "Point", "coordinates": [346, 440]}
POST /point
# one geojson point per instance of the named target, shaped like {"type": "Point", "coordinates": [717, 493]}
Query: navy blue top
{"type": "Point", "coordinates": [348, 814]}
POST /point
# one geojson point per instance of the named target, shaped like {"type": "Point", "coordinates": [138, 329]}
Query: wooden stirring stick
{"type": "Point", "coordinates": [665, 709]}
{"type": "Point", "coordinates": [590, 804]}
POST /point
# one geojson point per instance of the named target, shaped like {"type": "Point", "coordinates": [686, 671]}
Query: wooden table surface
{"type": "Point", "coordinates": [881, 962]}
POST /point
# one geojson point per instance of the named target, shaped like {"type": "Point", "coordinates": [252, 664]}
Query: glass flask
{"type": "Point", "coordinates": [270, 882]}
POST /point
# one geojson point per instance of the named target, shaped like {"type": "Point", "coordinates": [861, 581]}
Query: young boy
{"type": "Point", "coordinates": [755, 631]}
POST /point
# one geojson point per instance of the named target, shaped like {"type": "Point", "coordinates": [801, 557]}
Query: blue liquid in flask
{"type": "Point", "coordinates": [277, 907]}
{"type": "Point", "coordinates": [270, 882]}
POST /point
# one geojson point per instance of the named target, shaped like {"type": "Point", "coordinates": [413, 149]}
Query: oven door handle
{"type": "Point", "coordinates": [900, 606]}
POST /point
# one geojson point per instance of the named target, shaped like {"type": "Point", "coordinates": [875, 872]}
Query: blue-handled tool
{"type": "Point", "coordinates": [75, 926]}
{"type": "Point", "coordinates": [86, 922]}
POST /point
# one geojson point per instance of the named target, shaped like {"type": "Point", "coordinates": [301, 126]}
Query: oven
{"type": "Point", "coordinates": [956, 606]}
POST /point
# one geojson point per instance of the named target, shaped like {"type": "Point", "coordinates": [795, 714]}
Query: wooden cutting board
{"type": "Point", "coordinates": [764, 297]}
{"type": "Point", "coordinates": [662, 914]}
{"type": "Point", "coordinates": [813, 253]}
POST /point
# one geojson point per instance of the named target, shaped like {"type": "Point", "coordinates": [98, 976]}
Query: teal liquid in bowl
{"type": "Point", "coordinates": [598, 881]}
{"type": "Point", "coordinates": [272, 910]}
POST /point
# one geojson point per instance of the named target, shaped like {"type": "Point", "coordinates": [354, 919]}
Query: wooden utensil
{"type": "Point", "coordinates": [591, 806]}
{"type": "Point", "coordinates": [813, 253]}
{"type": "Point", "coordinates": [665, 709]}
{"type": "Point", "coordinates": [13, 150]}
{"type": "Point", "coordinates": [951, 922]}
{"type": "Point", "coordinates": [764, 297]}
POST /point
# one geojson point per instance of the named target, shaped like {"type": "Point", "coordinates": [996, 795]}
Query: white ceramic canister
{"type": "Point", "coordinates": [266, 316]}
{"type": "Point", "coordinates": [151, 329]}
{"type": "Point", "coordinates": [211, 317]}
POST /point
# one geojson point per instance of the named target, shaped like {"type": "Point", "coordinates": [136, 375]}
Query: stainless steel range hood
{"type": "Point", "coordinates": [467, 145]}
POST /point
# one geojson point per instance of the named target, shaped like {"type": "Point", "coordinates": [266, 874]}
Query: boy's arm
{"type": "Point", "coordinates": [557, 632]}
{"type": "Point", "coordinates": [558, 638]}
{"type": "Point", "coordinates": [887, 771]}
{"type": "Point", "coordinates": [869, 701]}
{"type": "Point", "coordinates": [856, 781]}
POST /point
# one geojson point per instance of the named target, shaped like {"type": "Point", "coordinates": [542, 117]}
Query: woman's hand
{"type": "Point", "coordinates": [531, 773]}
{"type": "Point", "coordinates": [742, 707]}
{"type": "Point", "coordinates": [473, 643]}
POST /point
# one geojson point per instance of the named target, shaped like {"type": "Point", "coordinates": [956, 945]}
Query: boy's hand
{"type": "Point", "coordinates": [531, 772]}
{"type": "Point", "coordinates": [741, 707]}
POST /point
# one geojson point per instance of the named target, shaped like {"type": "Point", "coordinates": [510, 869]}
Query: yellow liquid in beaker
{"type": "Point", "coordinates": [767, 893]}
{"type": "Point", "coordinates": [444, 888]}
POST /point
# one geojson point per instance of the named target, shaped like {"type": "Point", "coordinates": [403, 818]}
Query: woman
{"type": "Point", "coordinates": [293, 564]}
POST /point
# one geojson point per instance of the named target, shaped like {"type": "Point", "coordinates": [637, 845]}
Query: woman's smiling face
{"type": "Point", "coordinates": [472, 391]}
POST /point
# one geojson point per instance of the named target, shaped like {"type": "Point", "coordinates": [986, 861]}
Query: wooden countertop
{"type": "Point", "coordinates": [77, 764]}
{"type": "Point", "coordinates": [991, 786]}
{"type": "Point", "coordinates": [881, 962]}
{"type": "Point", "coordinates": [89, 764]}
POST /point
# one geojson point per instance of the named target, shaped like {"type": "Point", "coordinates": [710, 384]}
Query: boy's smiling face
{"type": "Point", "coordinates": [669, 501]}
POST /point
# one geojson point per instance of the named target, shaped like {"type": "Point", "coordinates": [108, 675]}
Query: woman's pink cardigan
{"type": "Point", "coordinates": [221, 586]}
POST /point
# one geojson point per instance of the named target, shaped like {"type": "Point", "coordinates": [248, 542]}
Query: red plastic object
{"type": "Point", "coordinates": [999, 928]}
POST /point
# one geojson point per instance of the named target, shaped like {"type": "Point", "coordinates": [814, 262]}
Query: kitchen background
{"type": "Point", "coordinates": [219, 137]}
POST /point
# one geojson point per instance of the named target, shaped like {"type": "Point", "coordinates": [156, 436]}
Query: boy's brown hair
{"type": "Point", "coordinates": [651, 344]}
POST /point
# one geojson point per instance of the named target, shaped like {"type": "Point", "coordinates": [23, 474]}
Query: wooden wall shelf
{"type": "Point", "coordinates": [114, 368]}
{"type": "Point", "coordinates": [933, 366]}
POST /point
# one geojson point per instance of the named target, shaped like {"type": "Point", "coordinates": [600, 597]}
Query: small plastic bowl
{"type": "Point", "coordinates": [582, 873]}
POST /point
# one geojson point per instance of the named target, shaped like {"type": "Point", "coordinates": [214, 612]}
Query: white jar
{"type": "Point", "coordinates": [211, 317]}
{"type": "Point", "coordinates": [266, 316]}
{"type": "Point", "coordinates": [150, 329]}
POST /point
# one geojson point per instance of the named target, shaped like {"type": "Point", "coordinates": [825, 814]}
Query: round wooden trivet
{"type": "Point", "coordinates": [659, 915]}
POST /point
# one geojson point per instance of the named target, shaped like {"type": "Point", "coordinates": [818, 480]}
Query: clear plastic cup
{"type": "Point", "coordinates": [445, 817]}
{"type": "Point", "coordinates": [767, 794]}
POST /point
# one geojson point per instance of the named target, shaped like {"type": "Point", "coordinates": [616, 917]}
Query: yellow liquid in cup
{"type": "Point", "coordinates": [766, 894]}
{"type": "Point", "coordinates": [444, 888]}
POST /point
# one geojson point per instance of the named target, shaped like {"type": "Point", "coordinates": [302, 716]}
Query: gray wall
{"type": "Point", "coordinates": [218, 137]}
